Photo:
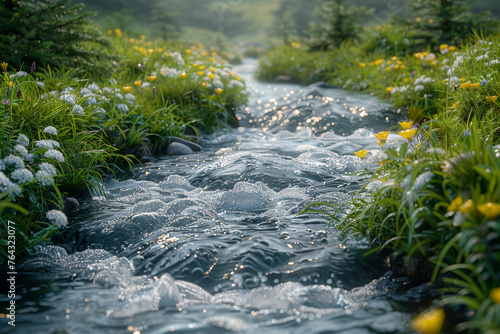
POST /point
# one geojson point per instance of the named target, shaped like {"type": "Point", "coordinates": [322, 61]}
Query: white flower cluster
{"type": "Point", "coordinates": [77, 110]}
{"type": "Point", "coordinates": [47, 144]}
{"type": "Point", "coordinates": [51, 130]}
{"type": "Point", "coordinates": [54, 154]}
{"type": "Point", "coordinates": [235, 83]}
{"type": "Point", "coordinates": [423, 80]}
{"type": "Point", "coordinates": [58, 218]}
{"type": "Point", "coordinates": [21, 150]}
{"type": "Point", "coordinates": [178, 58]}
{"type": "Point", "coordinates": [7, 186]}
{"type": "Point", "coordinates": [93, 87]}
{"type": "Point", "coordinates": [21, 176]}
{"type": "Point", "coordinates": [68, 98]}
{"type": "Point", "coordinates": [122, 107]}
{"type": "Point", "coordinates": [13, 160]}
{"type": "Point", "coordinates": [23, 140]}
{"type": "Point", "coordinates": [402, 89]}
{"type": "Point", "coordinates": [169, 72]}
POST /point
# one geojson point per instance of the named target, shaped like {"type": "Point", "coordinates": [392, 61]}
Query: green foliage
{"type": "Point", "coordinates": [47, 33]}
{"type": "Point", "coordinates": [439, 22]}
{"type": "Point", "coordinates": [338, 23]}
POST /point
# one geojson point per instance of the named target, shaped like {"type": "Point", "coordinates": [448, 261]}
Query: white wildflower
{"type": "Point", "coordinates": [130, 98]}
{"type": "Point", "coordinates": [45, 143]}
{"type": "Point", "coordinates": [40, 84]}
{"type": "Point", "coordinates": [122, 107]}
{"type": "Point", "coordinates": [77, 110]}
{"type": "Point", "coordinates": [14, 160]}
{"type": "Point", "coordinates": [29, 158]}
{"type": "Point", "coordinates": [68, 98]}
{"type": "Point", "coordinates": [394, 90]}
{"type": "Point", "coordinates": [208, 86]}
{"type": "Point", "coordinates": [168, 72]}
{"type": "Point", "coordinates": [493, 62]}
{"type": "Point", "coordinates": [113, 81]}
{"type": "Point", "coordinates": [119, 96]}
{"type": "Point", "coordinates": [85, 92]}
{"type": "Point", "coordinates": [93, 87]}
{"type": "Point", "coordinates": [218, 84]}
{"type": "Point", "coordinates": [146, 84]}
{"type": "Point", "coordinates": [23, 140]}
{"type": "Point", "coordinates": [419, 88]}
{"type": "Point", "coordinates": [178, 58]}
{"type": "Point", "coordinates": [48, 169]}
{"type": "Point", "coordinates": [7, 186]}
{"type": "Point", "coordinates": [67, 90]}
{"type": "Point", "coordinates": [21, 176]}
{"type": "Point", "coordinates": [54, 154]}
{"type": "Point", "coordinates": [91, 100]}
{"type": "Point", "coordinates": [51, 130]}
{"type": "Point", "coordinates": [235, 83]}
{"type": "Point", "coordinates": [57, 217]}
{"type": "Point", "coordinates": [107, 90]}
{"type": "Point", "coordinates": [22, 150]}
{"type": "Point", "coordinates": [21, 74]}
{"type": "Point", "coordinates": [430, 56]}
{"type": "Point", "coordinates": [44, 179]}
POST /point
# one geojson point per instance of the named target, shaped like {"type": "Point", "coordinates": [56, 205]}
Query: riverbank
{"type": "Point", "coordinates": [435, 200]}
{"type": "Point", "coordinates": [63, 130]}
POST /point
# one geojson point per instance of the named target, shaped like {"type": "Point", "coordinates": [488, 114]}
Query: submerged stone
{"type": "Point", "coordinates": [175, 148]}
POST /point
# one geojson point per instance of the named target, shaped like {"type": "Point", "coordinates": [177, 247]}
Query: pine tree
{"type": "Point", "coordinates": [340, 23]}
{"type": "Point", "coordinates": [48, 33]}
{"type": "Point", "coordinates": [446, 21]}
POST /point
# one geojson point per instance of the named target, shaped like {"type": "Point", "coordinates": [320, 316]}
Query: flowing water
{"type": "Point", "coordinates": [211, 242]}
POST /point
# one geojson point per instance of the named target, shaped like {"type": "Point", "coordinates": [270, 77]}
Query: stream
{"type": "Point", "coordinates": [211, 242]}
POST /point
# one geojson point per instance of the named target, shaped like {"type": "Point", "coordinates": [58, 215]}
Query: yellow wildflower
{"type": "Point", "coordinates": [388, 89]}
{"type": "Point", "coordinates": [430, 322]}
{"type": "Point", "coordinates": [131, 40]}
{"type": "Point", "coordinates": [382, 136]}
{"type": "Point", "coordinates": [396, 67]}
{"type": "Point", "coordinates": [295, 44]}
{"type": "Point", "coordinates": [200, 73]}
{"type": "Point", "coordinates": [182, 75]}
{"type": "Point", "coordinates": [371, 64]}
{"type": "Point", "coordinates": [455, 105]}
{"type": "Point", "coordinates": [362, 65]}
{"type": "Point", "coordinates": [388, 69]}
{"type": "Point", "coordinates": [137, 83]}
{"type": "Point", "coordinates": [223, 61]}
{"type": "Point", "coordinates": [491, 99]}
{"type": "Point", "coordinates": [433, 63]}
{"type": "Point", "coordinates": [166, 55]}
{"type": "Point", "coordinates": [214, 54]}
{"type": "Point", "coordinates": [118, 32]}
{"type": "Point", "coordinates": [455, 204]}
{"type": "Point", "coordinates": [452, 48]}
{"type": "Point", "coordinates": [394, 58]}
{"type": "Point", "coordinates": [212, 69]}
{"type": "Point", "coordinates": [143, 37]}
{"type": "Point", "coordinates": [160, 50]}
{"type": "Point", "coordinates": [127, 89]}
{"type": "Point", "coordinates": [475, 86]}
{"type": "Point", "coordinates": [4, 66]}
{"type": "Point", "coordinates": [495, 295]}
{"type": "Point", "coordinates": [196, 65]}
{"type": "Point", "coordinates": [418, 55]}
{"type": "Point", "coordinates": [211, 60]}
{"type": "Point", "coordinates": [405, 79]}
{"type": "Point", "coordinates": [219, 90]}
{"type": "Point", "coordinates": [418, 19]}
{"type": "Point", "coordinates": [408, 134]}
{"type": "Point", "coordinates": [467, 207]}
{"type": "Point", "coordinates": [204, 53]}
{"type": "Point", "coordinates": [231, 73]}
{"type": "Point", "coordinates": [490, 210]}
{"type": "Point", "coordinates": [379, 62]}
{"type": "Point", "coordinates": [204, 84]}
{"type": "Point", "coordinates": [10, 84]}
{"type": "Point", "coordinates": [463, 79]}
{"type": "Point", "coordinates": [151, 50]}
{"type": "Point", "coordinates": [211, 75]}
{"type": "Point", "coordinates": [110, 31]}
{"type": "Point", "coordinates": [152, 77]}
{"type": "Point", "coordinates": [406, 125]}
{"type": "Point", "coordinates": [443, 46]}
{"type": "Point", "coordinates": [431, 21]}
{"type": "Point", "coordinates": [237, 77]}
{"type": "Point", "coordinates": [202, 67]}
{"type": "Point", "coordinates": [465, 85]}
{"type": "Point", "coordinates": [425, 54]}
{"type": "Point", "coordinates": [389, 62]}
{"type": "Point", "coordinates": [188, 51]}
{"type": "Point", "coordinates": [361, 154]}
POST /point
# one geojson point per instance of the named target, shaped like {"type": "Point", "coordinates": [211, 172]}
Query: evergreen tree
{"type": "Point", "coordinates": [339, 23]}
{"type": "Point", "coordinates": [46, 32]}
{"type": "Point", "coordinates": [446, 21]}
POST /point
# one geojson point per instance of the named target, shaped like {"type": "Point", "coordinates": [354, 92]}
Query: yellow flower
{"type": "Point", "coordinates": [405, 79]}
{"type": "Point", "coordinates": [443, 46]}
{"type": "Point", "coordinates": [396, 67]}
{"type": "Point", "coordinates": [10, 84]}
{"type": "Point", "coordinates": [467, 207]}
{"type": "Point", "coordinates": [430, 322]}
{"type": "Point", "coordinates": [490, 210]}
{"type": "Point", "coordinates": [211, 60]}
{"type": "Point", "coordinates": [406, 125]}
{"type": "Point", "coordinates": [196, 65]}
{"type": "Point", "coordinates": [166, 55]}
{"type": "Point", "coordinates": [388, 89]}
{"type": "Point", "coordinates": [455, 105]}
{"type": "Point", "coordinates": [219, 90]}
{"type": "Point", "coordinates": [452, 48]}
{"type": "Point", "coordinates": [204, 84]}
{"type": "Point", "coordinates": [152, 77]}
{"type": "Point", "coordinates": [431, 21]}
{"type": "Point", "coordinates": [200, 73]}
{"type": "Point", "coordinates": [127, 89]}
{"type": "Point", "coordinates": [237, 77]}
{"type": "Point", "coordinates": [212, 69]}
{"type": "Point", "coordinates": [295, 44]}
{"type": "Point", "coordinates": [394, 58]}
{"type": "Point", "coordinates": [361, 154]}
{"type": "Point", "coordinates": [137, 83]}
{"type": "Point", "coordinates": [131, 40]}
{"type": "Point", "coordinates": [491, 99]}
{"type": "Point", "coordinates": [204, 53]}
{"type": "Point", "coordinates": [463, 79]}
{"type": "Point", "coordinates": [118, 32]}
{"type": "Point", "coordinates": [211, 75]}
{"type": "Point", "coordinates": [433, 63]}
{"type": "Point", "coordinates": [214, 54]}
{"type": "Point", "coordinates": [223, 61]}
{"type": "Point", "coordinates": [418, 19]}
{"type": "Point", "coordinates": [143, 37]}
{"type": "Point", "coordinates": [379, 62]}
{"type": "Point", "coordinates": [4, 66]}
{"type": "Point", "coordinates": [425, 54]}
{"type": "Point", "coordinates": [182, 75]}
{"type": "Point", "coordinates": [188, 51]}
{"type": "Point", "coordinates": [389, 62]}
{"type": "Point", "coordinates": [475, 86]}
{"type": "Point", "coordinates": [202, 67]}
{"type": "Point", "coordinates": [455, 204]}
{"type": "Point", "coordinates": [495, 295]}
{"type": "Point", "coordinates": [408, 134]}
{"type": "Point", "coordinates": [362, 65]}
{"type": "Point", "coordinates": [418, 55]}
{"type": "Point", "coordinates": [465, 85]}
{"type": "Point", "coordinates": [110, 31]}
{"type": "Point", "coordinates": [382, 136]}
{"type": "Point", "coordinates": [151, 50]}
{"type": "Point", "coordinates": [388, 69]}
{"type": "Point", "coordinates": [160, 50]}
